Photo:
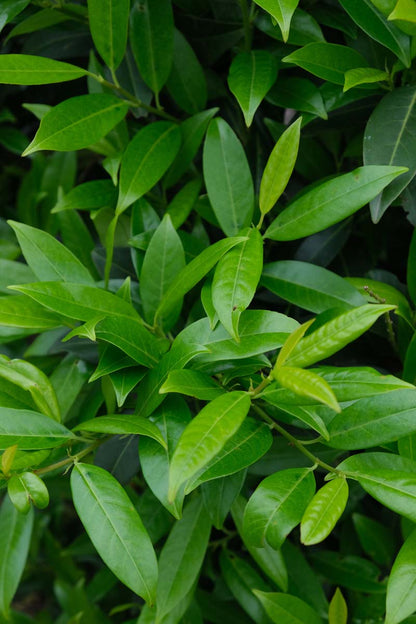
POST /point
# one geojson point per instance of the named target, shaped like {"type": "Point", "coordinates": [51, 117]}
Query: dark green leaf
{"type": "Point", "coordinates": [282, 11]}
{"type": "Point", "coordinates": [108, 22]}
{"type": "Point", "coordinates": [88, 196]}
{"type": "Point", "coordinates": [298, 93]}
{"type": "Point", "coordinates": [123, 424]}
{"type": "Point", "coordinates": [186, 83]}
{"type": "Point", "coordinates": [328, 61]}
{"type": "Point", "coordinates": [286, 609]}
{"type": "Point", "coordinates": [401, 598]}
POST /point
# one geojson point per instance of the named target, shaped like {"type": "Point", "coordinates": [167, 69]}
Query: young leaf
{"type": "Point", "coordinates": [23, 312]}
{"type": "Point", "coordinates": [123, 425]}
{"type": "Point", "coordinates": [115, 528]}
{"type": "Point", "coordinates": [15, 535]}
{"type": "Point", "coordinates": [324, 511]}
{"type": "Point", "coordinates": [192, 383]}
{"type": "Point", "coordinates": [186, 83]}
{"type": "Point", "coordinates": [88, 196]}
{"type": "Point", "coordinates": [182, 556]}
{"type": "Point", "coordinates": [363, 75]}
{"type": "Point", "coordinates": [108, 22]}
{"type": "Point", "coordinates": [277, 506]}
{"type": "Point", "coordinates": [307, 384]}
{"type": "Point", "coordinates": [151, 35]}
{"type": "Point", "coordinates": [147, 157]}
{"type": "Point", "coordinates": [251, 76]}
{"type": "Point", "coordinates": [27, 488]}
{"type": "Point", "coordinates": [387, 141]}
{"type": "Point", "coordinates": [291, 343]}
{"type": "Point", "coordinates": [335, 334]}
{"type": "Point", "coordinates": [331, 202]}
{"type": "Point", "coordinates": [279, 167]}
{"type": "Point", "coordinates": [205, 436]}
{"type": "Point", "coordinates": [235, 280]}
{"type": "Point", "coordinates": [163, 261]}
{"type": "Point", "coordinates": [227, 178]}
{"type": "Point", "coordinates": [30, 430]}
{"type": "Point", "coordinates": [48, 258]}
{"type": "Point", "coordinates": [401, 597]}
{"type": "Point", "coordinates": [78, 122]}
{"type": "Point", "coordinates": [282, 11]}
{"type": "Point", "coordinates": [338, 612]}
{"type": "Point", "coordinates": [287, 609]}
{"type": "Point", "coordinates": [24, 69]}
{"type": "Point", "coordinates": [404, 10]}
{"type": "Point", "coordinates": [328, 61]}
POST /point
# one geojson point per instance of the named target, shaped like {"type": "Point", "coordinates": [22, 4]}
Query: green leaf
{"type": "Point", "coordinates": [151, 36]}
{"type": "Point", "coordinates": [227, 178]}
{"type": "Point", "coordinates": [218, 496]}
{"type": "Point", "coordinates": [287, 609]}
{"type": "Point", "coordinates": [331, 202]}
{"type": "Point", "coordinates": [348, 571]}
{"type": "Point", "coordinates": [193, 272]}
{"type": "Point", "coordinates": [300, 94]}
{"type": "Point", "coordinates": [78, 122]}
{"type": "Point", "coordinates": [352, 383]}
{"type": "Point", "coordinates": [277, 506]}
{"type": "Point", "coordinates": [88, 196]}
{"type": "Point", "coordinates": [186, 83]}
{"type": "Point", "coordinates": [115, 528]}
{"type": "Point", "coordinates": [279, 167]}
{"type": "Point", "coordinates": [24, 69]}
{"type": "Point", "coordinates": [282, 11]}
{"type": "Point", "coordinates": [49, 259]}
{"type": "Point", "coordinates": [28, 377]}
{"type": "Point", "coordinates": [206, 435]}
{"type": "Point", "coordinates": [30, 430]}
{"type": "Point", "coordinates": [307, 384]}
{"type": "Point", "coordinates": [192, 383]}
{"type": "Point", "coordinates": [147, 157]}
{"type": "Point", "coordinates": [335, 334]}
{"type": "Point", "coordinates": [291, 342]}
{"type": "Point", "coordinates": [235, 280]}
{"type": "Point", "coordinates": [108, 23]}
{"type": "Point", "coordinates": [404, 10]}
{"type": "Point", "coordinates": [324, 511]}
{"type": "Point", "coordinates": [309, 286]}
{"type": "Point", "coordinates": [15, 535]}
{"type": "Point", "coordinates": [20, 311]}
{"type": "Point", "coordinates": [13, 272]}
{"type": "Point", "coordinates": [376, 539]}
{"type": "Point", "coordinates": [401, 597]}
{"type": "Point", "coordinates": [183, 202]}
{"type": "Point", "coordinates": [308, 414]}
{"type": "Point", "coordinates": [363, 75]}
{"type": "Point", "coordinates": [182, 556]}
{"type": "Point", "coordinates": [25, 489]}
{"type": "Point", "coordinates": [163, 261]}
{"type": "Point", "coordinates": [9, 9]}
{"type": "Point", "coordinates": [251, 76]}
{"type": "Point", "coordinates": [375, 420]}
{"type": "Point", "coordinates": [123, 424]}
{"type": "Point", "coordinates": [124, 382]}
{"type": "Point", "coordinates": [371, 289]}
{"type": "Point", "coordinates": [338, 612]}
{"type": "Point", "coordinates": [373, 22]}
{"type": "Point", "coordinates": [328, 61]}
{"type": "Point", "coordinates": [388, 140]}
{"type": "Point", "coordinates": [389, 479]}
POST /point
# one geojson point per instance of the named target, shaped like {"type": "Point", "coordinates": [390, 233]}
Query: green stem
{"type": "Point", "coordinates": [246, 24]}
{"type": "Point", "coordinates": [293, 441]}
{"type": "Point", "coordinates": [266, 381]}
{"type": "Point", "coordinates": [109, 248]}
{"type": "Point", "coordinates": [69, 460]}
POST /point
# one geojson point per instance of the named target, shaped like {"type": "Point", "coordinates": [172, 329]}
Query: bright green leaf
{"type": "Point", "coordinates": [401, 596]}
{"type": "Point", "coordinates": [328, 61]}
{"type": "Point", "coordinates": [122, 424]}
{"type": "Point", "coordinates": [30, 430]}
{"type": "Point", "coordinates": [25, 69]}
{"type": "Point", "coordinates": [307, 384]}
{"type": "Point", "coordinates": [324, 511]}
{"type": "Point", "coordinates": [338, 612]}
{"type": "Point", "coordinates": [287, 609]}
{"type": "Point", "coordinates": [282, 11]}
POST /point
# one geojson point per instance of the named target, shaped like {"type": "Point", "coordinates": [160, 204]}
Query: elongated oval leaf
{"type": "Point", "coordinates": [338, 611]}
{"type": "Point", "coordinates": [15, 534]}
{"type": "Point", "coordinates": [279, 167]}
{"type": "Point", "coordinates": [251, 76]}
{"type": "Point", "coordinates": [25, 69]}
{"type": "Point", "coordinates": [88, 196]}
{"type": "Point", "coordinates": [331, 202]}
{"type": "Point", "coordinates": [287, 609]}
{"type": "Point", "coordinates": [324, 511]}
{"type": "Point", "coordinates": [25, 313]}
{"type": "Point", "coordinates": [300, 94]}
{"type": "Point", "coordinates": [30, 430]}
{"type": "Point", "coordinates": [206, 435]}
{"type": "Point", "coordinates": [235, 280]}
{"type": "Point", "coordinates": [227, 178]}
{"type": "Point", "coordinates": [307, 384]}
{"type": "Point", "coordinates": [192, 383]}
{"type": "Point", "coordinates": [388, 141]}
{"type": "Point", "coordinates": [363, 75]}
{"type": "Point", "coordinates": [186, 83]}
{"type": "Point", "coordinates": [277, 506]}
{"type": "Point", "coordinates": [336, 334]}
{"type": "Point", "coordinates": [108, 20]}
{"type": "Point", "coordinates": [282, 11]}
{"type": "Point", "coordinates": [147, 157]}
{"type": "Point", "coordinates": [328, 61]}
{"type": "Point", "coordinates": [401, 596]}
{"type": "Point", "coordinates": [123, 424]}
{"type": "Point", "coordinates": [78, 122]}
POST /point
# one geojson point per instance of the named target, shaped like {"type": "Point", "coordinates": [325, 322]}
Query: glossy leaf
{"type": "Point", "coordinates": [307, 384]}
{"type": "Point", "coordinates": [324, 511]}
{"type": "Point", "coordinates": [287, 609]}
{"type": "Point", "coordinates": [148, 155]}
{"type": "Point", "coordinates": [78, 122]}
{"type": "Point", "coordinates": [25, 69]}
{"type": "Point", "coordinates": [279, 167]}
{"type": "Point", "coordinates": [219, 494]}
{"type": "Point", "coordinates": [235, 280]}
{"type": "Point", "coordinates": [27, 488]}
{"type": "Point", "coordinates": [363, 75]}
{"type": "Point", "coordinates": [108, 22]}
{"type": "Point", "coordinates": [186, 83]}
{"type": "Point", "coordinates": [192, 383]}
{"type": "Point", "coordinates": [227, 178]}
{"type": "Point", "coordinates": [25, 313]}
{"type": "Point", "coordinates": [291, 342]}
{"type": "Point", "coordinates": [328, 61]}
{"type": "Point", "coordinates": [282, 11]}
{"type": "Point", "coordinates": [115, 528]}
{"type": "Point", "coordinates": [404, 10]}
{"type": "Point", "coordinates": [15, 535]}
{"type": "Point", "coordinates": [338, 612]}
{"type": "Point", "coordinates": [331, 202]}
{"type": "Point", "coordinates": [251, 76]}
{"type": "Point", "coordinates": [30, 430]}
{"type": "Point", "coordinates": [335, 334]}
{"type": "Point", "coordinates": [401, 598]}
{"type": "Point", "coordinates": [122, 424]}
{"type": "Point", "coordinates": [206, 435]}
{"type": "Point", "coordinates": [387, 141]}
{"type": "Point", "coordinates": [277, 506]}
{"type": "Point", "coordinates": [352, 383]}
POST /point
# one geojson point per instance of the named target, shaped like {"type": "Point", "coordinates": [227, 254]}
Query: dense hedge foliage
{"type": "Point", "coordinates": [208, 280]}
